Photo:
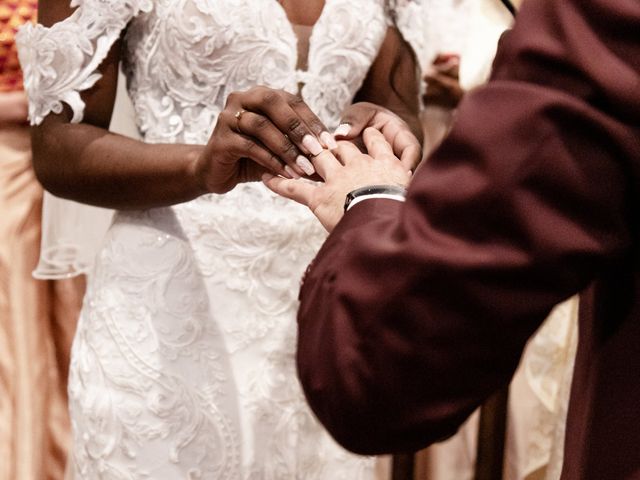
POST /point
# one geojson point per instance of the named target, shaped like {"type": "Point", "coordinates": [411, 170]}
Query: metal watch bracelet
{"type": "Point", "coordinates": [391, 190]}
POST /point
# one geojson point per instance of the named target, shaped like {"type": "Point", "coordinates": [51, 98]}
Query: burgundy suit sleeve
{"type": "Point", "coordinates": [413, 313]}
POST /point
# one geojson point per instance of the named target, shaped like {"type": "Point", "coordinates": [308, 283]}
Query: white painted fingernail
{"type": "Point", "coordinates": [305, 165]}
{"type": "Point", "coordinates": [291, 172]}
{"type": "Point", "coordinates": [312, 144]}
{"type": "Point", "coordinates": [342, 130]}
{"type": "Point", "coordinates": [328, 140]}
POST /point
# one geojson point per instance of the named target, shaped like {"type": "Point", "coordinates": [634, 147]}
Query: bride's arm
{"type": "Point", "coordinates": [393, 81]}
{"type": "Point", "coordinates": [86, 163]}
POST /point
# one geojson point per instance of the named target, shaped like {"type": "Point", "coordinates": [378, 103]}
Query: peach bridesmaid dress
{"type": "Point", "coordinates": [37, 318]}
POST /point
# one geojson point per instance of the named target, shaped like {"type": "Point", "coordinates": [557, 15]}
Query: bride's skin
{"type": "Point", "coordinates": [86, 163]}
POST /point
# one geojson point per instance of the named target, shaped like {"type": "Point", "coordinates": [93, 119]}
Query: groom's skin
{"type": "Point", "coordinates": [413, 313]}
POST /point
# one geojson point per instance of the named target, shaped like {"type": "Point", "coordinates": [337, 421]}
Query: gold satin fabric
{"type": "Point", "coordinates": [13, 14]}
{"type": "Point", "coordinates": [37, 323]}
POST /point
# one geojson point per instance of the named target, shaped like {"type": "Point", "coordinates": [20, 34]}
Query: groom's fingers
{"type": "Point", "coordinates": [346, 151]}
{"type": "Point", "coordinates": [296, 190]}
{"type": "Point", "coordinates": [376, 144]}
{"type": "Point", "coordinates": [326, 164]}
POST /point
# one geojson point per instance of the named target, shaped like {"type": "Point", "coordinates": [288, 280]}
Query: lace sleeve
{"type": "Point", "coordinates": [61, 61]}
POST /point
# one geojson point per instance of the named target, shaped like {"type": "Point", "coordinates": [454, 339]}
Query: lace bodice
{"type": "Point", "coordinates": [182, 58]}
{"type": "Point", "coordinates": [231, 44]}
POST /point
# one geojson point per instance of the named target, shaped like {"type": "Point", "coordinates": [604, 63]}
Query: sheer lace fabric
{"type": "Point", "coordinates": [183, 364]}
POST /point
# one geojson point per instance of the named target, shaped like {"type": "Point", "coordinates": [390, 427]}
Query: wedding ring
{"type": "Point", "coordinates": [239, 114]}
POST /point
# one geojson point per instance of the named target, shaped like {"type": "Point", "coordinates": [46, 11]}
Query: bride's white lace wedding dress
{"type": "Point", "coordinates": [183, 363]}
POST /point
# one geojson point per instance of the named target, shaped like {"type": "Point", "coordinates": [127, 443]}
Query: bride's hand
{"type": "Point", "coordinates": [261, 130]}
{"type": "Point", "coordinates": [396, 131]}
{"type": "Point", "coordinates": [343, 172]}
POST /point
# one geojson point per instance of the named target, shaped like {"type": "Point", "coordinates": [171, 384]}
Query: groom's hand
{"type": "Point", "coordinates": [396, 131]}
{"type": "Point", "coordinates": [343, 170]}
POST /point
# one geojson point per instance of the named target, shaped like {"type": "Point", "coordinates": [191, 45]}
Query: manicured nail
{"type": "Point", "coordinates": [342, 130]}
{"type": "Point", "coordinates": [291, 172]}
{"type": "Point", "coordinates": [311, 144]}
{"type": "Point", "coordinates": [305, 165]}
{"type": "Point", "coordinates": [328, 140]}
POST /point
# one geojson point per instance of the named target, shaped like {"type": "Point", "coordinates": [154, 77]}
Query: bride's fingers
{"type": "Point", "coordinates": [296, 190]}
{"type": "Point", "coordinates": [250, 171]}
{"type": "Point", "coordinates": [276, 105]}
{"type": "Point", "coordinates": [326, 164]}
{"type": "Point", "coordinates": [248, 147]}
{"type": "Point", "coordinates": [261, 128]}
{"type": "Point", "coordinates": [312, 121]}
{"type": "Point", "coordinates": [355, 119]}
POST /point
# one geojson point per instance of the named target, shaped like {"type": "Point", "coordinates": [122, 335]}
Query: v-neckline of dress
{"type": "Point", "coordinates": [294, 36]}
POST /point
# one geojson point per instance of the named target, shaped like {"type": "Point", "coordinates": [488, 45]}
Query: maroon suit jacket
{"type": "Point", "coordinates": [413, 313]}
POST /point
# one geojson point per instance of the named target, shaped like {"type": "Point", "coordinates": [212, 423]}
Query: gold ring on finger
{"type": "Point", "coordinates": [239, 114]}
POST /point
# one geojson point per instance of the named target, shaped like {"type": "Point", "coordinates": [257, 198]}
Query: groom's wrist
{"type": "Point", "coordinates": [370, 192]}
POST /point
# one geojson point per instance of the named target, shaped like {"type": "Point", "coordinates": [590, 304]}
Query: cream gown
{"type": "Point", "coordinates": [183, 363]}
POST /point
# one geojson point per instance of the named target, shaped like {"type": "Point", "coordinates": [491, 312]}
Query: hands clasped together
{"type": "Point", "coordinates": [273, 135]}
{"type": "Point", "coordinates": [343, 170]}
